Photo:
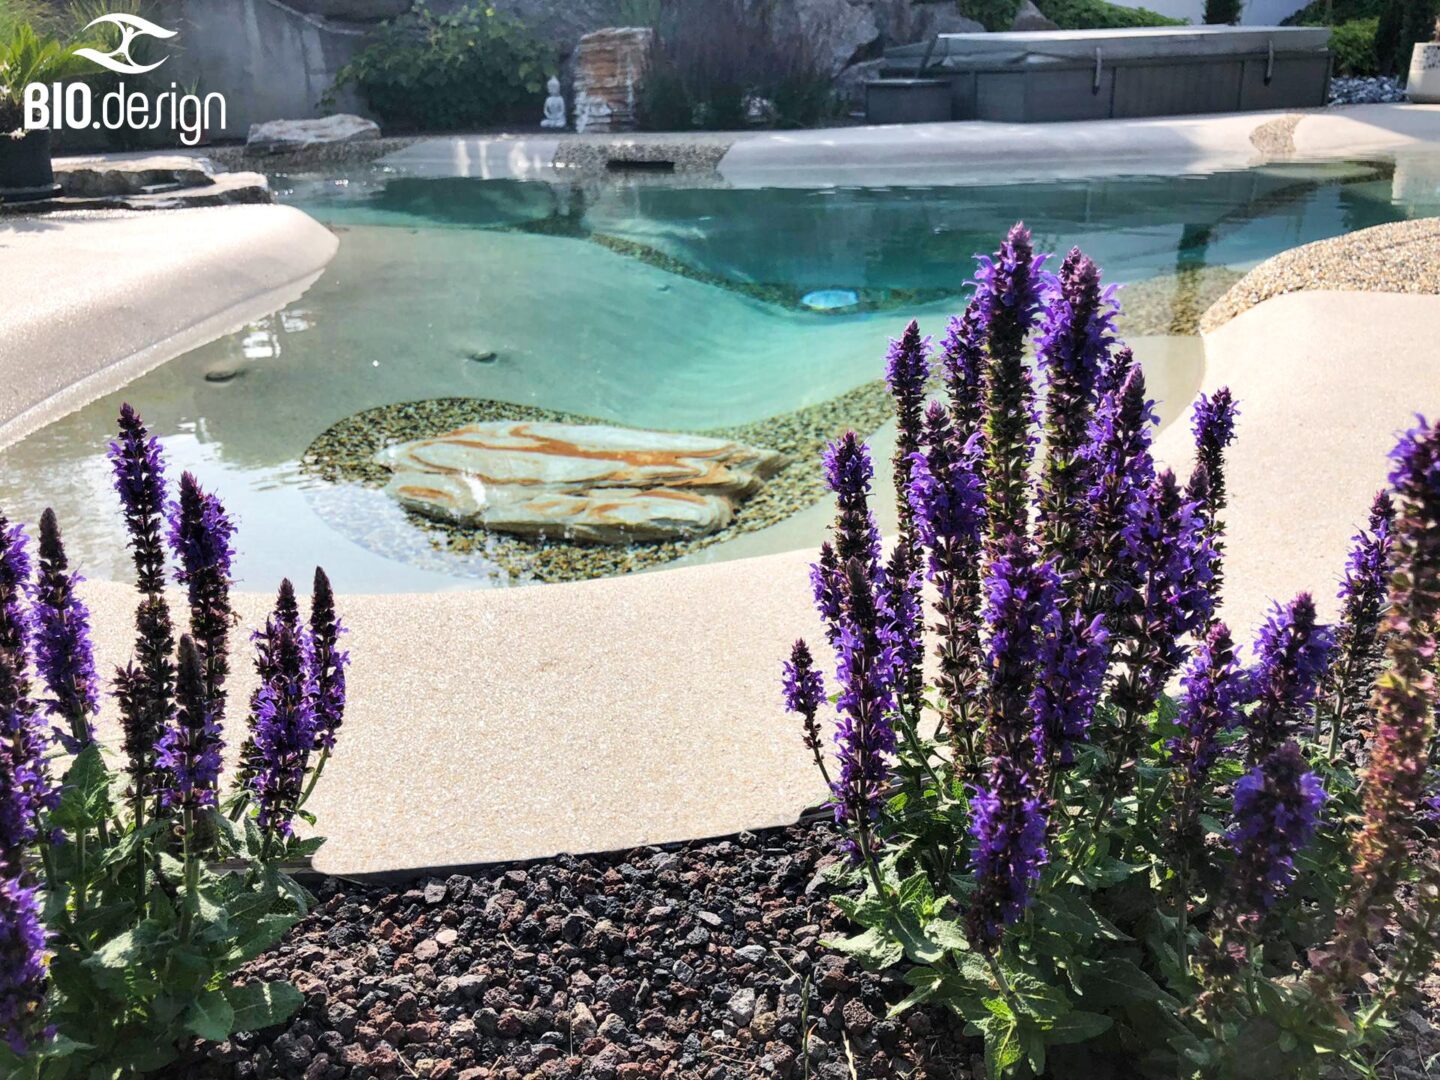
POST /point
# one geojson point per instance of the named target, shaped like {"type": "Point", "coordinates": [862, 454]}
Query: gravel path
{"type": "Point", "coordinates": [1402, 257]}
{"type": "Point", "coordinates": [701, 961]}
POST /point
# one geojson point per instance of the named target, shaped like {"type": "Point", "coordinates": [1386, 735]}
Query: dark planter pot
{"type": "Point", "coordinates": [25, 173]}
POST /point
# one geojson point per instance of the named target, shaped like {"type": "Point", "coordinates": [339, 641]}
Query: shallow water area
{"type": "Point", "coordinates": [636, 303]}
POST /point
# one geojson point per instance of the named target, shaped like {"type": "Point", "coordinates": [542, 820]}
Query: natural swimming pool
{"type": "Point", "coordinates": [634, 302]}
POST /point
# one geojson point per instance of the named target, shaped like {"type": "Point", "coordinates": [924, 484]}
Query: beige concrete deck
{"type": "Point", "coordinates": [93, 300]}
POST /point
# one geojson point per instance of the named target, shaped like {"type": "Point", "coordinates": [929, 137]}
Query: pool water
{"type": "Point", "coordinates": [647, 304]}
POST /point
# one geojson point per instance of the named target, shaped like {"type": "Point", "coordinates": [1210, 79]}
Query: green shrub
{"type": "Point", "coordinates": [1352, 45]}
{"type": "Point", "coordinates": [1222, 12]}
{"type": "Point", "coordinates": [1334, 12]}
{"type": "Point", "coordinates": [1099, 15]}
{"type": "Point", "coordinates": [1403, 24]}
{"type": "Point", "coordinates": [470, 68]}
{"type": "Point", "coordinates": [994, 15]}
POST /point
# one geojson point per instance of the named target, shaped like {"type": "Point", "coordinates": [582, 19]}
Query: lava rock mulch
{"type": "Point", "coordinates": [698, 961]}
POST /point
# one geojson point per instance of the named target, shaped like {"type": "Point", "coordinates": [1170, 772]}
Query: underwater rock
{"type": "Point", "coordinates": [285, 136]}
{"type": "Point", "coordinates": [581, 481]}
{"type": "Point", "coordinates": [830, 299]}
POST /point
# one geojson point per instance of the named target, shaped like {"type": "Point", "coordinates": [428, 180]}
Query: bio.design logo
{"type": "Point", "coordinates": [119, 59]}
{"type": "Point", "coordinates": [73, 106]}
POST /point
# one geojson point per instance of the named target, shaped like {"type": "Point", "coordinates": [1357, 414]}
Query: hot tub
{"type": "Point", "coordinates": [1145, 71]}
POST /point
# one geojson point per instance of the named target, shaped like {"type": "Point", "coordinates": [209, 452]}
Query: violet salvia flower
{"type": "Point", "coordinates": [14, 579]}
{"type": "Point", "coordinates": [1277, 807]}
{"type": "Point", "coordinates": [1009, 810]}
{"type": "Point", "coordinates": [200, 536]}
{"type": "Point", "coordinates": [64, 654]}
{"type": "Point", "coordinates": [328, 662]}
{"type": "Point", "coordinates": [1216, 687]}
{"type": "Point", "coordinates": [26, 787]}
{"type": "Point", "coordinates": [848, 472]}
{"type": "Point", "coordinates": [864, 738]}
{"type": "Point", "coordinates": [1077, 330]}
{"type": "Point", "coordinates": [1114, 370]}
{"type": "Point", "coordinates": [1166, 597]}
{"type": "Point", "coordinates": [804, 690]}
{"type": "Point", "coordinates": [962, 365]}
{"type": "Point", "coordinates": [907, 371]}
{"type": "Point", "coordinates": [1072, 665]}
{"type": "Point", "coordinates": [1394, 785]}
{"type": "Point", "coordinates": [1359, 647]}
{"type": "Point", "coordinates": [1213, 423]}
{"type": "Point", "coordinates": [1121, 471]}
{"type": "Point", "coordinates": [1292, 651]}
{"type": "Point", "coordinates": [284, 721]}
{"type": "Point", "coordinates": [140, 481]}
{"type": "Point", "coordinates": [949, 507]}
{"type": "Point", "coordinates": [1008, 823]}
{"type": "Point", "coordinates": [24, 965]}
{"type": "Point", "coordinates": [1008, 289]}
{"type": "Point", "coordinates": [189, 750]}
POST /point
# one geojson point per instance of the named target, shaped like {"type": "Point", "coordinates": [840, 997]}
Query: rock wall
{"type": "Point", "coordinates": [270, 60]}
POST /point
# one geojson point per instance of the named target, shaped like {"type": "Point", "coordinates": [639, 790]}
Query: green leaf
{"type": "Point", "coordinates": [1002, 1046]}
{"type": "Point", "coordinates": [85, 793]}
{"type": "Point", "coordinates": [259, 1005]}
{"type": "Point", "coordinates": [211, 1016]}
{"type": "Point", "coordinates": [1077, 1026]}
{"type": "Point", "coordinates": [1037, 998]}
{"type": "Point", "coordinates": [948, 934]}
{"type": "Point", "coordinates": [1032, 1041]}
{"type": "Point", "coordinates": [915, 893]}
{"type": "Point", "coordinates": [873, 949]}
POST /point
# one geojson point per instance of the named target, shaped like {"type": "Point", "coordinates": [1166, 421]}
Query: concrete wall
{"type": "Point", "coordinates": [269, 60]}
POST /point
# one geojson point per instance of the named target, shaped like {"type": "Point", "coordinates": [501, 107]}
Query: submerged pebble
{"type": "Point", "coordinates": [830, 299]}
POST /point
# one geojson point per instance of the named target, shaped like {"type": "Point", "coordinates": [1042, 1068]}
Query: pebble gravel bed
{"type": "Point", "coordinates": [701, 961]}
{"type": "Point", "coordinates": [1172, 304]}
{"type": "Point", "coordinates": [343, 457]}
{"type": "Point", "coordinates": [1401, 257]}
{"type": "Point", "coordinates": [1378, 90]}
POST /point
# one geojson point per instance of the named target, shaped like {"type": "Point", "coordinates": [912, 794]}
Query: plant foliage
{"type": "Point", "coordinates": [472, 67]}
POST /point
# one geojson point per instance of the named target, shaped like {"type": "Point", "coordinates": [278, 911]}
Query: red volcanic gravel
{"type": "Point", "coordinates": [699, 961]}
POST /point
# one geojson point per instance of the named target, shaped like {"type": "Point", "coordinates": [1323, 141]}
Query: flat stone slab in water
{"type": "Point", "coordinates": [830, 299]}
{"type": "Point", "coordinates": [581, 481]}
{"type": "Point", "coordinates": [282, 136]}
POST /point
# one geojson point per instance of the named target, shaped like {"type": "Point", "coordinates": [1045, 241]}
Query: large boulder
{"type": "Point", "coordinates": [578, 481]}
{"type": "Point", "coordinates": [835, 32]}
{"type": "Point", "coordinates": [287, 136]}
{"type": "Point", "coordinates": [1030, 17]}
{"type": "Point", "coordinates": [904, 22]}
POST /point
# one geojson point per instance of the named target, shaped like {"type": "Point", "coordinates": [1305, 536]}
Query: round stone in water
{"type": "Point", "coordinates": [830, 299]}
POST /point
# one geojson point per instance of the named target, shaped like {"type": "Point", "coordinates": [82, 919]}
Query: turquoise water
{"type": "Point", "coordinates": [634, 302]}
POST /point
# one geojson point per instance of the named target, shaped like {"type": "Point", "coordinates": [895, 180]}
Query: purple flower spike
{"type": "Point", "coordinates": [907, 371]}
{"type": "Point", "coordinates": [1213, 422]}
{"type": "Point", "coordinates": [1073, 661]}
{"type": "Point", "coordinates": [1359, 645]}
{"type": "Point", "coordinates": [63, 650]}
{"type": "Point", "coordinates": [1077, 330]}
{"type": "Point", "coordinates": [1009, 285]}
{"type": "Point", "coordinates": [1292, 651]}
{"type": "Point", "coordinates": [1215, 688]}
{"type": "Point", "coordinates": [14, 579]}
{"type": "Point", "coordinates": [1277, 806]}
{"type": "Point", "coordinates": [140, 482]}
{"type": "Point", "coordinates": [284, 718]}
{"type": "Point", "coordinates": [189, 751]}
{"type": "Point", "coordinates": [24, 964]}
{"type": "Point", "coordinates": [864, 739]}
{"type": "Point", "coordinates": [804, 689]}
{"type": "Point", "coordinates": [329, 662]}
{"type": "Point", "coordinates": [962, 363]}
{"type": "Point", "coordinates": [26, 788]}
{"type": "Point", "coordinates": [1009, 808]}
{"type": "Point", "coordinates": [200, 536]}
{"type": "Point", "coordinates": [848, 471]}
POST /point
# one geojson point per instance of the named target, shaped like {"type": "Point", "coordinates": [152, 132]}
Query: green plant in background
{"type": "Point", "coordinates": [1100, 15]}
{"type": "Point", "coordinates": [1352, 45]}
{"type": "Point", "coordinates": [28, 55]}
{"type": "Point", "coordinates": [1403, 24]}
{"type": "Point", "coordinates": [1223, 12]}
{"type": "Point", "coordinates": [470, 68]}
{"type": "Point", "coordinates": [994, 15]}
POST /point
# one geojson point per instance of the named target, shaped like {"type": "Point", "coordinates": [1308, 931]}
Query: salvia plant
{"type": "Point", "coordinates": [1109, 835]}
{"type": "Point", "coordinates": [134, 886]}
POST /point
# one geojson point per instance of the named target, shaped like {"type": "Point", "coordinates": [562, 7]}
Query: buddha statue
{"type": "Point", "coordinates": [554, 105]}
